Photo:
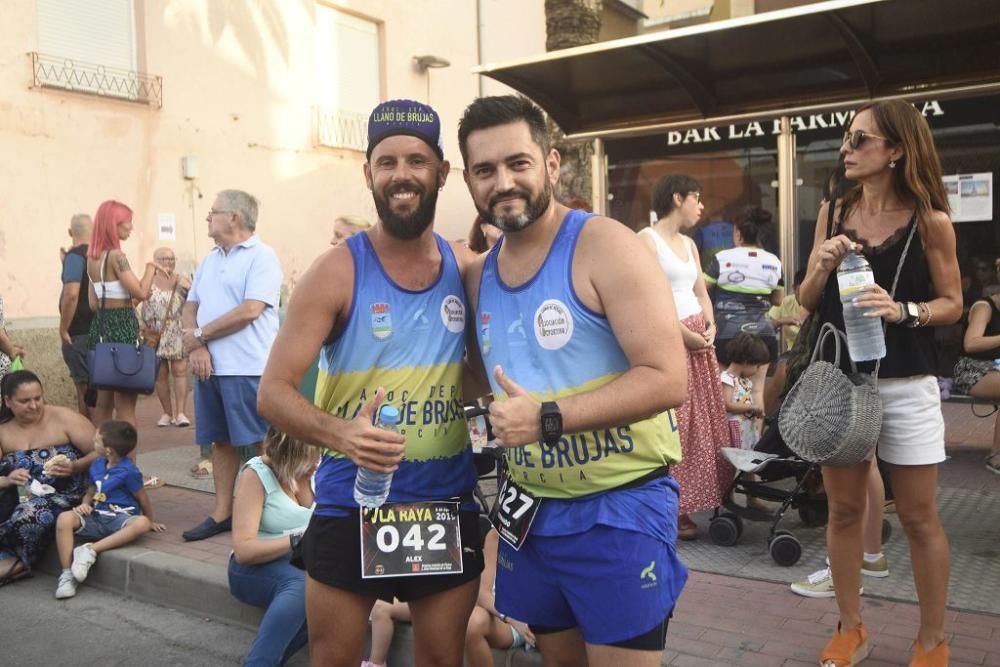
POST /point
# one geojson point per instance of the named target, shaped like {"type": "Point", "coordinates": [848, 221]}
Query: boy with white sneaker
{"type": "Point", "coordinates": [114, 511]}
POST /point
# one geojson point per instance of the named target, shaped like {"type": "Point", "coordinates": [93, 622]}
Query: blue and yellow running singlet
{"type": "Point", "coordinates": [551, 344]}
{"type": "Point", "coordinates": [412, 343]}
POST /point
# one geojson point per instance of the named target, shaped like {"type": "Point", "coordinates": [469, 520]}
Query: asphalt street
{"type": "Point", "coordinates": [98, 628]}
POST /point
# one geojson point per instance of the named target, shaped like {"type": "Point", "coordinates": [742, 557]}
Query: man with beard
{"type": "Point", "coordinates": [386, 312]}
{"type": "Point", "coordinates": [578, 328]}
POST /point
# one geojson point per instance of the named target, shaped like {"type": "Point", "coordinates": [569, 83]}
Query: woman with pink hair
{"type": "Point", "coordinates": [113, 286]}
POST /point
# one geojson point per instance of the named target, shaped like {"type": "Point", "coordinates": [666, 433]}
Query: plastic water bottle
{"type": "Point", "coordinates": [865, 338]}
{"type": "Point", "coordinates": [371, 488]}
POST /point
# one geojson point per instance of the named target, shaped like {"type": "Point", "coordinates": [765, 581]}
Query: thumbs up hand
{"type": "Point", "coordinates": [517, 420]}
{"type": "Point", "coordinates": [369, 446]}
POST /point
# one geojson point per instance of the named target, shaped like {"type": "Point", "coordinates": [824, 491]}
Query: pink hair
{"type": "Point", "coordinates": [110, 214]}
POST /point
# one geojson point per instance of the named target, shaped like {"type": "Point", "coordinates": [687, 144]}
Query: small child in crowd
{"type": "Point", "coordinates": [114, 512]}
{"type": "Point", "coordinates": [747, 353]}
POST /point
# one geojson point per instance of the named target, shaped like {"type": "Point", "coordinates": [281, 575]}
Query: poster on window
{"type": "Point", "coordinates": [970, 197]}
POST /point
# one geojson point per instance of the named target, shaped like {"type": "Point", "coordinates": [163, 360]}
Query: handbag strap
{"type": "Point", "coordinates": [102, 323]}
{"type": "Point", "coordinates": [895, 280]}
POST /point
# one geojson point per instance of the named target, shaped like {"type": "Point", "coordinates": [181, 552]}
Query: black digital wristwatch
{"type": "Point", "coordinates": [552, 423]}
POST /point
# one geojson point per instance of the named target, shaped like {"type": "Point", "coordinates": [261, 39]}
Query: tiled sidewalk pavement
{"type": "Point", "coordinates": [719, 620]}
{"type": "Point", "coordinates": [728, 621]}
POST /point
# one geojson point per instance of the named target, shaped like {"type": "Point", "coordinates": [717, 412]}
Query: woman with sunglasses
{"type": "Point", "coordinates": [889, 152]}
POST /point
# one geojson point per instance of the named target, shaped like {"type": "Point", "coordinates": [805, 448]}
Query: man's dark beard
{"type": "Point", "coordinates": [515, 223]}
{"type": "Point", "coordinates": [411, 226]}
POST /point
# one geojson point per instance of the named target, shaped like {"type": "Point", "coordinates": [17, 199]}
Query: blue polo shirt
{"type": "Point", "coordinates": [223, 281]}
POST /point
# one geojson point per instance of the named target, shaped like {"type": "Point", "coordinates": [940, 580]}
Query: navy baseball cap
{"type": "Point", "coordinates": [404, 117]}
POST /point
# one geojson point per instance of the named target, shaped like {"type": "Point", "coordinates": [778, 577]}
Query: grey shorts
{"type": "Point", "coordinates": [75, 356]}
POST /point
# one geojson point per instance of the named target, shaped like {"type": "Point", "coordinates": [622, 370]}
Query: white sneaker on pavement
{"type": "Point", "coordinates": [66, 587]}
{"type": "Point", "coordinates": [819, 584]}
{"type": "Point", "coordinates": [83, 558]}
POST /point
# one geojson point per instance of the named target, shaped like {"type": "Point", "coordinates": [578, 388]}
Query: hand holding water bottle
{"type": "Point", "coordinates": [833, 251]}
{"type": "Point", "coordinates": [367, 445]}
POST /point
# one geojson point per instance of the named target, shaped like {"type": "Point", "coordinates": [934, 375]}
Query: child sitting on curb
{"type": "Point", "coordinates": [115, 510]}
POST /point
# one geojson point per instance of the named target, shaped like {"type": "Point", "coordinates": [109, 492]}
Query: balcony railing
{"type": "Point", "coordinates": [71, 75]}
{"type": "Point", "coordinates": [342, 129]}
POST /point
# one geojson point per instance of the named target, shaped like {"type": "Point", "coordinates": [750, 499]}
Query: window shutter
{"type": "Point", "coordinates": [99, 33]}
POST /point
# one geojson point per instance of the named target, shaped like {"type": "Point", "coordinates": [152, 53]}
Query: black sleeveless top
{"type": "Point", "coordinates": [992, 329]}
{"type": "Point", "coordinates": [909, 352]}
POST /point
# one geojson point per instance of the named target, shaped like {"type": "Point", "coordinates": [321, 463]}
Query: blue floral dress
{"type": "Point", "coordinates": [32, 525]}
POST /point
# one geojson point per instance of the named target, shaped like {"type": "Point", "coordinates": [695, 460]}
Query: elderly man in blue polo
{"type": "Point", "coordinates": [230, 321]}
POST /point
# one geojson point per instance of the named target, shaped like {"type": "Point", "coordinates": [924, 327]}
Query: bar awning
{"type": "Point", "coordinates": [820, 56]}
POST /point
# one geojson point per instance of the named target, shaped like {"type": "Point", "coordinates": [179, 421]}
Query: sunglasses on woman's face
{"type": "Point", "coordinates": [856, 138]}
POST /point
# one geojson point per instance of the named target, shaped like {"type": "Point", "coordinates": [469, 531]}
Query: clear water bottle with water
{"type": "Point", "coordinates": [865, 338]}
{"type": "Point", "coordinates": [371, 488]}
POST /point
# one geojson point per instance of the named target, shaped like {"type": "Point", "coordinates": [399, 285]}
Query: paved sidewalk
{"type": "Point", "coordinates": [720, 620]}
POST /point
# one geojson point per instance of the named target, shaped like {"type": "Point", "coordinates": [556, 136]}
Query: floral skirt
{"type": "Point", "coordinates": [703, 474]}
{"type": "Point", "coordinates": [120, 326]}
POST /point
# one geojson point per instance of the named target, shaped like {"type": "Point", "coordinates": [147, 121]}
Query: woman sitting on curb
{"type": "Point", "coordinates": [273, 504]}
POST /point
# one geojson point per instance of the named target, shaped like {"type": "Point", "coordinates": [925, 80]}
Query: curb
{"type": "Point", "coordinates": [200, 588]}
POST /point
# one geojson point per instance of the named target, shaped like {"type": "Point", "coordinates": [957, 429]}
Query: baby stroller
{"type": "Point", "coordinates": [771, 462]}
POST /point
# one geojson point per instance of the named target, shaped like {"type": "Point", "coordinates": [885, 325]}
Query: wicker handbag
{"type": "Point", "coordinates": [829, 417]}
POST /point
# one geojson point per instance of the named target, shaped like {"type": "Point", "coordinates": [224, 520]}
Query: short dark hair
{"type": "Point", "coordinates": [667, 187]}
{"type": "Point", "coordinates": [748, 349]}
{"type": "Point", "coordinates": [754, 224]}
{"type": "Point", "coordinates": [487, 112]}
{"type": "Point", "coordinates": [119, 436]}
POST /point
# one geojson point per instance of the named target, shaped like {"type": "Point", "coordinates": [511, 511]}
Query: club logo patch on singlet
{"type": "Point", "coordinates": [453, 314]}
{"type": "Point", "coordinates": [553, 324]}
{"type": "Point", "coordinates": [381, 321]}
{"type": "Point", "coordinates": [484, 327]}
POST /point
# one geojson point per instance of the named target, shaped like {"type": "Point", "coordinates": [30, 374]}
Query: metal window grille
{"type": "Point", "coordinates": [92, 79]}
{"type": "Point", "coordinates": [338, 128]}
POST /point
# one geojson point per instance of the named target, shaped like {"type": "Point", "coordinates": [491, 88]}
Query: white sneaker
{"type": "Point", "coordinates": [819, 584]}
{"type": "Point", "coordinates": [66, 587]}
{"type": "Point", "coordinates": [83, 558]}
{"type": "Point", "coordinates": [872, 568]}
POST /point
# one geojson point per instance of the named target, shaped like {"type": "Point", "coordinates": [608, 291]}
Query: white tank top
{"type": "Point", "coordinates": [112, 289]}
{"type": "Point", "coordinates": [682, 274]}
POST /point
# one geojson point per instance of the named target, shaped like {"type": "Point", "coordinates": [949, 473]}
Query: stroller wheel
{"type": "Point", "coordinates": [813, 516]}
{"type": "Point", "coordinates": [785, 549]}
{"type": "Point", "coordinates": [725, 530]}
{"type": "Point", "coordinates": [886, 530]}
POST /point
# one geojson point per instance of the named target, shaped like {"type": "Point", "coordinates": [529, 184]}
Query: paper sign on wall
{"type": "Point", "coordinates": [970, 196]}
{"type": "Point", "coordinates": [166, 223]}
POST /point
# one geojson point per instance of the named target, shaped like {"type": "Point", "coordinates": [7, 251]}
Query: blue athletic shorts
{"type": "Point", "coordinates": [614, 584]}
{"type": "Point", "coordinates": [225, 408]}
{"type": "Point", "coordinates": [98, 525]}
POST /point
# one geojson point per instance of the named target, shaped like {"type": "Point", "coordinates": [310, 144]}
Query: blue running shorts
{"type": "Point", "coordinates": [612, 583]}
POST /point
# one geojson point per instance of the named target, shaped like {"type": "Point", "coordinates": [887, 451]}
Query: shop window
{"type": "Point", "coordinates": [347, 77]}
{"type": "Point", "coordinates": [90, 47]}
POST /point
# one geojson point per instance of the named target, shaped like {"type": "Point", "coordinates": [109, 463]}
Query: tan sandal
{"type": "Point", "coordinates": [846, 649]}
{"type": "Point", "coordinates": [202, 469]}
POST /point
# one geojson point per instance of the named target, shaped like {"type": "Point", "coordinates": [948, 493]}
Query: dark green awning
{"type": "Point", "coordinates": [824, 55]}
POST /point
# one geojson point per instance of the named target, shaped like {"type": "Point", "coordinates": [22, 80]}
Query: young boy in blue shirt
{"type": "Point", "coordinates": [114, 511]}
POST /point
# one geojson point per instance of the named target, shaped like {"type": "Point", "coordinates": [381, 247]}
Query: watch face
{"type": "Point", "coordinates": [551, 423]}
{"type": "Point", "coordinates": [912, 310]}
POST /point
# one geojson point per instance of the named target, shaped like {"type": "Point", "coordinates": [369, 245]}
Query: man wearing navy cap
{"type": "Point", "coordinates": [385, 311]}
